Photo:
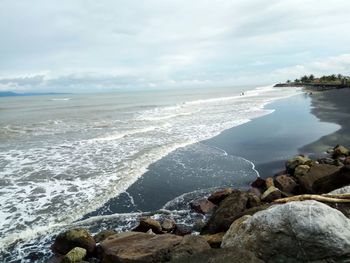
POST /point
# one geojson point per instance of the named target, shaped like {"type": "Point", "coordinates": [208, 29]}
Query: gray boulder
{"type": "Point", "coordinates": [293, 232]}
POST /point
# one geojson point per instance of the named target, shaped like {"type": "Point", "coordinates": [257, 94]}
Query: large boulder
{"type": "Point", "coordinates": [168, 225]}
{"type": "Point", "coordinates": [72, 238]}
{"type": "Point", "coordinates": [147, 223]}
{"type": "Point", "coordinates": [224, 255]}
{"type": "Point", "coordinates": [135, 247]}
{"type": "Point", "coordinates": [188, 246]}
{"type": "Point", "coordinates": [316, 172]}
{"type": "Point", "coordinates": [202, 206]}
{"type": "Point", "coordinates": [286, 184]}
{"type": "Point", "coordinates": [293, 232]}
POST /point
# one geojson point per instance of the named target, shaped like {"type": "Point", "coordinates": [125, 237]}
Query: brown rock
{"type": "Point", "coordinates": [188, 246]}
{"type": "Point", "coordinates": [72, 238]}
{"type": "Point", "coordinates": [271, 194]}
{"type": "Point", "coordinates": [214, 240]}
{"type": "Point", "coordinates": [103, 235]}
{"type": "Point", "coordinates": [223, 255]}
{"type": "Point", "coordinates": [168, 225]}
{"type": "Point", "coordinates": [134, 247]}
{"type": "Point", "coordinates": [316, 173]}
{"type": "Point", "coordinates": [202, 206]}
{"type": "Point", "coordinates": [347, 161]}
{"type": "Point", "coordinates": [255, 191]}
{"type": "Point", "coordinates": [182, 230]}
{"type": "Point", "coordinates": [253, 200]}
{"type": "Point", "coordinates": [260, 184]}
{"type": "Point", "coordinates": [218, 196]}
{"type": "Point", "coordinates": [269, 182]}
{"type": "Point", "coordinates": [147, 223]}
{"type": "Point", "coordinates": [226, 213]}
{"type": "Point", "coordinates": [332, 181]}
{"type": "Point", "coordinates": [286, 184]}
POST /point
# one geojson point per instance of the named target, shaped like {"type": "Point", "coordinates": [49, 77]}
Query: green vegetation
{"type": "Point", "coordinates": [336, 80]}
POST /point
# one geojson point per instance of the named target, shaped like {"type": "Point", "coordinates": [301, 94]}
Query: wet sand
{"type": "Point", "coordinates": [266, 141]}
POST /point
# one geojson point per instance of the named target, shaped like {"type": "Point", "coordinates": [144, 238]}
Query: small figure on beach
{"type": "Point", "coordinates": [242, 93]}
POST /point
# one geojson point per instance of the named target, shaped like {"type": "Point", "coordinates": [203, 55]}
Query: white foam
{"type": "Point", "coordinates": [80, 175]}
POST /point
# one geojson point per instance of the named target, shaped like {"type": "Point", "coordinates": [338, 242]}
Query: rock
{"type": "Point", "coordinates": [253, 200]}
{"type": "Point", "coordinates": [260, 184]}
{"type": "Point", "coordinates": [202, 206]}
{"type": "Point", "coordinates": [327, 160]}
{"type": "Point", "coordinates": [147, 223]}
{"type": "Point", "coordinates": [227, 212]}
{"type": "Point", "coordinates": [269, 182]}
{"type": "Point", "coordinates": [301, 170]}
{"type": "Point", "coordinates": [77, 254]}
{"type": "Point", "coordinates": [103, 235]}
{"type": "Point", "coordinates": [182, 230]}
{"type": "Point", "coordinates": [286, 184]}
{"type": "Point", "coordinates": [255, 191]}
{"type": "Point", "coordinates": [214, 240]}
{"type": "Point", "coordinates": [198, 225]}
{"type": "Point", "coordinates": [315, 173]}
{"type": "Point", "coordinates": [224, 255]}
{"type": "Point", "coordinates": [342, 207]}
{"type": "Point", "coordinates": [188, 246]}
{"type": "Point", "coordinates": [340, 150]}
{"type": "Point", "coordinates": [332, 181]}
{"type": "Point", "coordinates": [137, 247]}
{"type": "Point", "coordinates": [72, 238]}
{"type": "Point", "coordinates": [347, 161]}
{"type": "Point", "coordinates": [296, 161]}
{"type": "Point", "coordinates": [343, 190]}
{"type": "Point", "coordinates": [293, 232]}
{"type": "Point", "coordinates": [168, 225]}
{"type": "Point", "coordinates": [218, 196]}
{"type": "Point", "coordinates": [271, 194]}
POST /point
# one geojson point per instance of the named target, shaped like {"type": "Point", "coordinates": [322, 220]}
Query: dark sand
{"type": "Point", "coordinates": [266, 141]}
{"type": "Point", "coordinates": [331, 106]}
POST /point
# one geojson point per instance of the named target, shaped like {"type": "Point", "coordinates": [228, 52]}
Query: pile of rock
{"type": "Point", "coordinates": [243, 226]}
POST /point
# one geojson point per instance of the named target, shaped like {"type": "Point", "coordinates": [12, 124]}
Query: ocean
{"type": "Point", "coordinates": [69, 160]}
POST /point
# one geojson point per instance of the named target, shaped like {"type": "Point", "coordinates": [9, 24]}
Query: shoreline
{"type": "Point", "coordinates": [237, 142]}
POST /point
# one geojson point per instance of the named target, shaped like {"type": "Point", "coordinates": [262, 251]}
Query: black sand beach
{"type": "Point", "coordinates": [266, 141]}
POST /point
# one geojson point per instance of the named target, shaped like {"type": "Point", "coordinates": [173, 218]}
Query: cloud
{"type": "Point", "coordinates": [89, 45]}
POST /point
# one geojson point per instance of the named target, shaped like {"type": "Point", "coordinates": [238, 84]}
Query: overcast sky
{"type": "Point", "coordinates": [94, 45]}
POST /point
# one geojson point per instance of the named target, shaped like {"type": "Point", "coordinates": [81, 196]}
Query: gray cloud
{"type": "Point", "coordinates": [90, 45]}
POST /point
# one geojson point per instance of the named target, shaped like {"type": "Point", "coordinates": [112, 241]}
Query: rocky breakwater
{"type": "Point", "coordinates": [298, 215]}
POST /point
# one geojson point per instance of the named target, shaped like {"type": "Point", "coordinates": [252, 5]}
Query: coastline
{"type": "Point", "coordinates": [276, 141]}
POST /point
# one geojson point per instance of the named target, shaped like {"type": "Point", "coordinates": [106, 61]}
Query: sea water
{"type": "Point", "coordinates": [64, 157]}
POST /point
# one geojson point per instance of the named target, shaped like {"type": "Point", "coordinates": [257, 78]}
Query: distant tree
{"type": "Point", "coordinates": [311, 77]}
{"type": "Point", "coordinates": [340, 76]}
{"type": "Point", "coordinates": [304, 79]}
{"type": "Point", "coordinates": [332, 77]}
{"type": "Point", "coordinates": [288, 81]}
{"type": "Point", "coordinates": [296, 81]}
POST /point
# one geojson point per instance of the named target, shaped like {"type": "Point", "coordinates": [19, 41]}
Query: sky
{"type": "Point", "coordinates": [89, 45]}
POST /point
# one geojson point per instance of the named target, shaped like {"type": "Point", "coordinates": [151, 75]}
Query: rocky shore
{"type": "Point", "coordinates": [301, 214]}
